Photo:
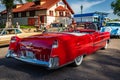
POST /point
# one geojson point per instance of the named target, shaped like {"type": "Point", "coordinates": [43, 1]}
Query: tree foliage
{"type": "Point", "coordinates": [9, 4]}
{"type": "Point", "coordinates": [116, 7]}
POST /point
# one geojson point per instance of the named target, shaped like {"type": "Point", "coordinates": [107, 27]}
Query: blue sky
{"type": "Point", "coordinates": [88, 6]}
{"type": "Point", "coordinates": [92, 6]}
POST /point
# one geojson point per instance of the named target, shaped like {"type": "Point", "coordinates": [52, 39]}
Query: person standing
{"type": "Point", "coordinates": [17, 25]}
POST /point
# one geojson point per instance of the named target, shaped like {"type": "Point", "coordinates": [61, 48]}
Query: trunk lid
{"type": "Point", "coordinates": [38, 46]}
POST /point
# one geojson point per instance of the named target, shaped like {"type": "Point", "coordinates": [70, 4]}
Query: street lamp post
{"type": "Point", "coordinates": [81, 7]}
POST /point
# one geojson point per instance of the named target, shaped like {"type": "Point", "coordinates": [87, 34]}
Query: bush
{"type": "Point", "coordinates": [2, 26]}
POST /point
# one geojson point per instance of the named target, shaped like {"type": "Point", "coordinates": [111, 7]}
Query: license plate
{"type": "Point", "coordinates": [29, 54]}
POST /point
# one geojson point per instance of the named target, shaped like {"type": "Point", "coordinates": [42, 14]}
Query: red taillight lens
{"type": "Point", "coordinates": [14, 39]}
{"type": "Point", "coordinates": [14, 43]}
{"type": "Point", "coordinates": [55, 44]}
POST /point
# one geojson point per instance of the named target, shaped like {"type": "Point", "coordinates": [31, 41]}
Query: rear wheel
{"type": "Point", "coordinates": [119, 36]}
{"type": "Point", "coordinates": [78, 60]}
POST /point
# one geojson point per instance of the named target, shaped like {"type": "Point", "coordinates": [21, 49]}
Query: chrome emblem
{"type": "Point", "coordinates": [29, 46]}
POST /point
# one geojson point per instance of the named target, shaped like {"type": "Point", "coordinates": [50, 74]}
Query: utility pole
{"type": "Point", "coordinates": [81, 7]}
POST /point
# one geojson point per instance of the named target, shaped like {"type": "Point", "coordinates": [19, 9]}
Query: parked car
{"type": "Point", "coordinates": [7, 33]}
{"type": "Point", "coordinates": [56, 49]}
{"type": "Point", "coordinates": [87, 25]}
{"type": "Point", "coordinates": [56, 27]}
{"type": "Point", "coordinates": [113, 28]}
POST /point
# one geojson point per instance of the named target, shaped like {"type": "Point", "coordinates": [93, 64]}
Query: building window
{"type": "Point", "coordinates": [32, 13]}
{"type": "Point", "coordinates": [15, 15]}
{"type": "Point", "coordinates": [51, 13]}
{"type": "Point", "coordinates": [4, 15]}
{"type": "Point", "coordinates": [56, 4]}
{"type": "Point", "coordinates": [23, 14]}
{"type": "Point", "coordinates": [67, 14]}
{"type": "Point", "coordinates": [56, 14]}
{"type": "Point", "coordinates": [60, 13]}
{"type": "Point", "coordinates": [95, 19]}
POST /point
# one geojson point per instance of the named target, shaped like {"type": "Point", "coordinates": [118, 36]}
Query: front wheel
{"type": "Point", "coordinates": [78, 60]}
{"type": "Point", "coordinates": [106, 45]}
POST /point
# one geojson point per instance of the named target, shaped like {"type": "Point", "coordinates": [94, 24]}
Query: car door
{"type": "Point", "coordinates": [97, 40]}
{"type": "Point", "coordinates": [6, 36]}
{"type": "Point", "coordinates": [84, 44]}
{"type": "Point", "coordinates": [103, 39]}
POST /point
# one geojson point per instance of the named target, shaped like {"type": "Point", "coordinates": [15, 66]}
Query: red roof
{"type": "Point", "coordinates": [48, 4]}
{"type": "Point", "coordinates": [24, 7]}
{"type": "Point", "coordinates": [61, 8]}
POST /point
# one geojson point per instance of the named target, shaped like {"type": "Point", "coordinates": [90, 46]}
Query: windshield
{"type": "Point", "coordinates": [55, 27]}
{"type": "Point", "coordinates": [113, 24]}
{"type": "Point", "coordinates": [86, 26]}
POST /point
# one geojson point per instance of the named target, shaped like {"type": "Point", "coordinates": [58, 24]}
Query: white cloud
{"type": "Point", "coordinates": [111, 15]}
{"type": "Point", "coordinates": [86, 5]}
{"type": "Point", "coordinates": [110, 11]}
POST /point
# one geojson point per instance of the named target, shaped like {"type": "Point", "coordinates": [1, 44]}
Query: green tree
{"type": "Point", "coordinates": [116, 7]}
{"type": "Point", "coordinates": [9, 4]}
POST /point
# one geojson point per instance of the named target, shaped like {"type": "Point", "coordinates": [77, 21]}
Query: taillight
{"type": "Point", "coordinates": [13, 39]}
{"type": "Point", "coordinates": [55, 44]}
{"type": "Point", "coordinates": [13, 43]}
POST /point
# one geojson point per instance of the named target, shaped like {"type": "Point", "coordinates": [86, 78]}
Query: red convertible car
{"type": "Point", "coordinates": [54, 50]}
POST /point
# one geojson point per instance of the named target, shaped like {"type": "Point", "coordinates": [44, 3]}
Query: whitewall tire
{"type": "Point", "coordinates": [106, 45]}
{"type": "Point", "coordinates": [78, 60]}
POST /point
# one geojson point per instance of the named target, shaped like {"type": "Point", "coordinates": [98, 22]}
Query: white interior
{"type": "Point", "coordinates": [77, 34]}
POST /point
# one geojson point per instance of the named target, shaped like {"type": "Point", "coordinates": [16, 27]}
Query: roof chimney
{"type": "Point", "coordinates": [42, 2]}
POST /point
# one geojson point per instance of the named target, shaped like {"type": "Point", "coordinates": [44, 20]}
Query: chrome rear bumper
{"type": "Point", "coordinates": [50, 64]}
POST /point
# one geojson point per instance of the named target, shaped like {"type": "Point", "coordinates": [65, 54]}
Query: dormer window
{"type": "Point", "coordinates": [37, 2]}
{"type": "Point", "coordinates": [61, 13]}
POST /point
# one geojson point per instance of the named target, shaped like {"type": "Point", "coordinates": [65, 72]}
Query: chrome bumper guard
{"type": "Point", "coordinates": [52, 64]}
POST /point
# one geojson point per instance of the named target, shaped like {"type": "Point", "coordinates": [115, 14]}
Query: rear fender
{"type": "Point", "coordinates": [14, 43]}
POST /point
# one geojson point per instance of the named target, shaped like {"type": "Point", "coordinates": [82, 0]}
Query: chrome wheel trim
{"type": "Point", "coordinates": [78, 60]}
{"type": "Point", "coordinates": [106, 45]}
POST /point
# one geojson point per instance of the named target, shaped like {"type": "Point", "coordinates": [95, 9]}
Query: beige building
{"type": "Point", "coordinates": [42, 11]}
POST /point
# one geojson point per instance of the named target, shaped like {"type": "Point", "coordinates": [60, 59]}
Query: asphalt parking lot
{"type": "Point", "coordinates": [102, 65]}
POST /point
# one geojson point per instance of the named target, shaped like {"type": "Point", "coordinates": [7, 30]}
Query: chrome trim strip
{"type": "Point", "coordinates": [49, 64]}
{"type": "Point", "coordinates": [10, 54]}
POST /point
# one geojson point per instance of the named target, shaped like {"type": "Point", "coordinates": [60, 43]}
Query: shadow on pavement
{"type": "Point", "coordinates": [4, 46]}
{"type": "Point", "coordinates": [103, 65]}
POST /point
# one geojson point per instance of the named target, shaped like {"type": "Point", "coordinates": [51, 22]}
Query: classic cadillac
{"type": "Point", "coordinates": [56, 49]}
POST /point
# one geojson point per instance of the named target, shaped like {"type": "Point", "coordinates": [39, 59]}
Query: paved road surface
{"type": "Point", "coordinates": [103, 65]}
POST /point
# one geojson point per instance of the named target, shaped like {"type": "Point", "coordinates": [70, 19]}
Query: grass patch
{"type": "Point", "coordinates": [26, 26]}
{"type": "Point", "coordinates": [21, 26]}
